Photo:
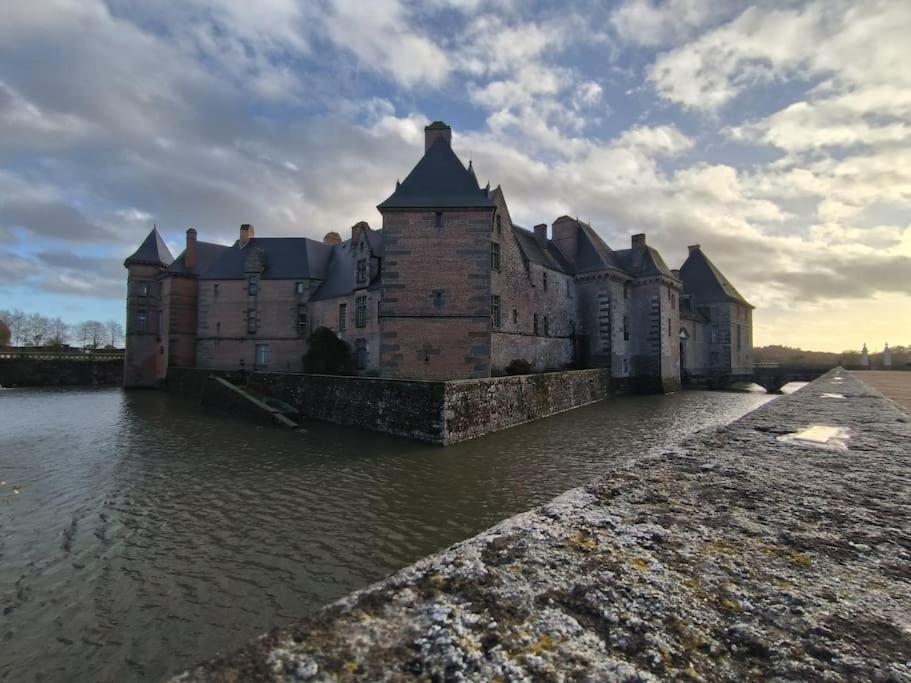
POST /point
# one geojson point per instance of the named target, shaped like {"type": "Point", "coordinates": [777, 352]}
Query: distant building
{"type": "Point", "coordinates": [887, 356]}
{"type": "Point", "coordinates": [449, 288]}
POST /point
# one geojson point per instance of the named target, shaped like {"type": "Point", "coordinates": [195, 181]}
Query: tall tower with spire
{"type": "Point", "coordinates": [865, 357]}
{"type": "Point", "coordinates": [887, 356]}
{"type": "Point", "coordinates": [146, 361]}
{"type": "Point", "coordinates": [436, 307]}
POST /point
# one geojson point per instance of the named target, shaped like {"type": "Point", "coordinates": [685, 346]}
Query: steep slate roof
{"type": "Point", "coordinates": [645, 262]}
{"type": "Point", "coordinates": [152, 251]}
{"type": "Point", "coordinates": [549, 256]}
{"type": "Point", "coordinates": [705, 282]}
{"type": "Point", "coordinates": [206, 254]}
{"type": "Point", "coordinates": [340, 273]}
{"type": "Point", "coordinates": [286, 258]}
{"type": "Point", "coordinates": [439, 180]}
{"type": "Point", "coordinates": [591, 251]}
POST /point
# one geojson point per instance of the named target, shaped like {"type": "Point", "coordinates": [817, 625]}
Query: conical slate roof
{"type": "Point", "coordinates": [705, 282]}
{"type": "Point", "coordinates": [153, 251]}
{"type": "Point", "coordinates": [439, 180]}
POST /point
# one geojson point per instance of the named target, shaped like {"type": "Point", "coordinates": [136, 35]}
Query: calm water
{"type": "Point", "coordinates": [147, 535]}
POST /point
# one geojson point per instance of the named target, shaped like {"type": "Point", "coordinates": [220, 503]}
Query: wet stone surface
{"type": "Point", "coordinates": [734, 556]}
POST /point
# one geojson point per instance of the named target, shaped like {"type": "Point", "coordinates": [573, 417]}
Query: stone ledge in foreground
{"type": "Point", "coordinates": [736, 555]}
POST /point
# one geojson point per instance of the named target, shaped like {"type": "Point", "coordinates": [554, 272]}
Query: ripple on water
{"type": "Point", "coordinates": [149, 534]}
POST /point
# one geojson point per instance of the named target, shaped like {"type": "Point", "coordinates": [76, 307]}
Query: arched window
{"type": "Point", "coordinates": [626, 289]}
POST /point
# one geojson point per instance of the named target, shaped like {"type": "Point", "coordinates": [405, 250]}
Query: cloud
{"type": "Point", "coordinates": [651, 23]}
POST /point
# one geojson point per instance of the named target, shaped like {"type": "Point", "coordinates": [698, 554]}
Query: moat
{"type": "Point", "coordinates": [140, 535]}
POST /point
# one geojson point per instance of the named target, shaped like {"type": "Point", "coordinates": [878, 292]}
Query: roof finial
{"type": "Point", "coordinates": [397, 183]}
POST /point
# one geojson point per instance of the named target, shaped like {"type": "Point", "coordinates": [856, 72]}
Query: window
{"type": "Point", "coordinates": [544, 280]}
{"type": "Point", "coordinates": [572, 327]}
{"type": "Point", "coordinates": [142, 321]}
{"type": "Point", "coordinates": [251, 320]}
{"type": "Point", "coordinates": [669, 334]}
{"type": "Point", "coordinates": [515, 316]}
{"type": "Point", "coordinates": [626, 328]}
{"type": "Point", "coordinates": [438, 219]}
{"type": "Point", "coordinates": [217, 329]}
{"type": "Point", "coordinates": [360, 311]}
{"type": "Point", "coordinates": [714, 333]}
{"type": "Point", "coordinates": [262, 355]}
{"type": "Point", "coordinates": [215, 291]}
{"type": "Point", "coordinates": [499, 225]}
{"type": "Point", "coordinates": [626, 288]}
{"type": "Point", "coordinates": [534, 324]}
{"type": "Point", "coordinates": [362, 271]}
{"type": "Point", "coordinates": [495, 256]}
{"type": "Point", "coordinates": [342, 317]}
{"type": "Point", "coordinates": [252, 284]}
{"type": "Point", "coordinates": [625, 366]}
{"type": "Point", "coordinates": [299, 288]}
{"type": "Point", "coordinates": [142, 288]}
{"type": "Point", "coordinates": [738, 337]}
{"type": "Point", "coordinates": [438, 298]}
{"type": "Point", "coordinates": [495, 310]}
{"type": "Point", "coordinates": [302, 328]}
{"type": "Point", "coordinates": [546, 327]}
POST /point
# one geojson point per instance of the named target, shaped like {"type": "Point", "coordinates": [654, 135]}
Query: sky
{"type": "Point", "coordinates": [777, 135]}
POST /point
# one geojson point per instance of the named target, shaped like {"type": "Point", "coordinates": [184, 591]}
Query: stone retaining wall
{"type": "Point", "coordinates": [476, 407]}
{"type": "Point", "coordinates": [400, 407]}
{"type": "Point", "coordinates": [32, 372]}
{"type": "Point", "coordinates": [745, 553]}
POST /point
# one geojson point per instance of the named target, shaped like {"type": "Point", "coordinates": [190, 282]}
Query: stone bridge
{"type": "Point", "coordinates": [770, 376]}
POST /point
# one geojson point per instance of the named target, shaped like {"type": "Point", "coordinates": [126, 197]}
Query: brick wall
{"type": "Point", "coordinates": [146, 360]}
{"type": "Point", "coordinates": [223, 339]}
{"type": "Point", "coordinates": [520, 286]}
{"type": "Point", "coordinates": [435, 311]}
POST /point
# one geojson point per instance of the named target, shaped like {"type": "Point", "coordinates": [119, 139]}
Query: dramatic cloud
{"type": "Point", "coordinates": [775, 135]}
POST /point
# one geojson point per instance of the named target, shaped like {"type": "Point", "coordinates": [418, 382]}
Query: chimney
{"type": "Point", "coordinates": [639, 241]}
{"type": "Point", "coordinates": [693, 247]}
{"type": "Point", "coordinates": [675, 272]}
{"type": "Point", "coordinates": [434, 132]}
{"type": "Point", "coordinates": [541, 234]}
{"type": "Point", "coordinates": [332, 238]}
{"type": "Point", "coordinates": [246, 234]}
{"type": "Point", "coordinates": [189, 256]}
{"type": "Point", "coordinates": [565, 234]}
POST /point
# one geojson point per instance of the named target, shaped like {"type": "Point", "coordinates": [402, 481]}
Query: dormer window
{"type": "Point", "coordinates": [299, 288]}
{"type": "Point", "coordinates": [362, 272]}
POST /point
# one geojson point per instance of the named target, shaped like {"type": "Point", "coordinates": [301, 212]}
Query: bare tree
{"type": "Point", "coordinates": [39, 329]}
{"type": "Point", "coordinates": [59, 332]}
{"type": "Point", "coordinates": [114, 331]}
{"type": "Point", "coordinates": [4, 332]}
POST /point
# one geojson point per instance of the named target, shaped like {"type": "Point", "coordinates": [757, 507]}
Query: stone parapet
{"type": "Point", "coordinates": [760, 550]}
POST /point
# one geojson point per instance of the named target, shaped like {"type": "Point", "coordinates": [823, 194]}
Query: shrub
{"type": "Point", "coordinates": [327, 354]}
{"type": "Point", "coordinates": [518, 366]}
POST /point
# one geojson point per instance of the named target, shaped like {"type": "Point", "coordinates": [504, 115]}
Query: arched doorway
{"type": "Point", "coordinates": [684, 337]}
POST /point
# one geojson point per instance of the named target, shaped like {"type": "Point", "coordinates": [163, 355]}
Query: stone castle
{"type": "Point", "coordinates": [449, 288]}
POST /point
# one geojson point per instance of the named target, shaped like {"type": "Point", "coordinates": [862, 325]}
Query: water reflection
{"type": "Point", "coordinates": [149, 535]}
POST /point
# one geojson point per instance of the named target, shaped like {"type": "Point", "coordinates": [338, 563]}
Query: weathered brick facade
{"type": "Point", "coordinates": [449, 288]}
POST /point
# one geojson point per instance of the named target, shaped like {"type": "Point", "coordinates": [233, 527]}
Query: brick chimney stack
{"type": "Point", "coordinates": [541, 234]}
{"type": "Point", "coordinates": [639, 241]}
{"type": "Point", "coordinates": [189, 257]}
{"type": "Point", "coordinates": [333, 238]}
{"type": "Point", "coordinates": [246, 234]}
{"type": "Point", "coordinates": [434, 132]}
{"type": "Point", "coordinates": [693, 247]}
